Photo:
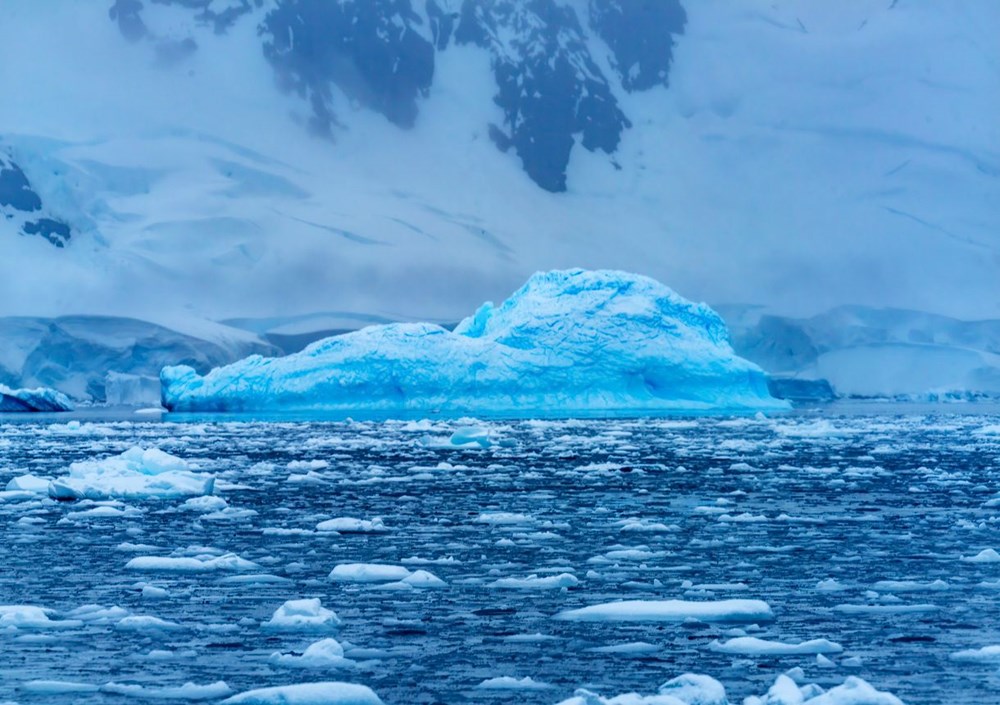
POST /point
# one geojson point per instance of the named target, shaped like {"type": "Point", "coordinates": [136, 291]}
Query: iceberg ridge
{"type": "Point", "coordinates": [567, 341]}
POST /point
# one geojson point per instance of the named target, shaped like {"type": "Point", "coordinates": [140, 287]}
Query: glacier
{"type": "Point", "coordinates": [40, 399]}
{"type": "Point", "coordinates": [568, 341]}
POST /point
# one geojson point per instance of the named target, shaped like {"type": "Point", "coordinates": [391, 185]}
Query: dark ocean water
{"type": "Point", "coordinates": [651, 509]}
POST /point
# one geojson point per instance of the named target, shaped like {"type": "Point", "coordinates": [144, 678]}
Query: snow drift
{"type": "Point", "coordinates": [567, 341]}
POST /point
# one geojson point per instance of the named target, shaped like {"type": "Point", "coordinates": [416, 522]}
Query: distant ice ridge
{"type": "Point", "coordinates": [40, 399]}
{"type": "Point", "coordinates": [695, 689]}
{"type": "Point", "coordinates": [566, 341]}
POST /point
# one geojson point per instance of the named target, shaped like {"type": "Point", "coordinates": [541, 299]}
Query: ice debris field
{"type": "Point", "coordinates": [804, 559]}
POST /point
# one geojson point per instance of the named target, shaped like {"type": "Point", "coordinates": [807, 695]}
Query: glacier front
{"type": "Point", "coordinates": [566, 342]}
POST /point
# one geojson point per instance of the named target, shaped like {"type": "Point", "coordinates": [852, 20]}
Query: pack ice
{"type": "Point", "coordinates": [566, 341]}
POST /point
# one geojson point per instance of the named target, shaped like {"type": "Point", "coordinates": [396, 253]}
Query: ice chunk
{"type": "Point", "coordinates": [987, 555]}
{"type": "Point", "coordinates": [423, 579]}
{"type": "Point", "coordinates": [188, 691]}
{"type": "Point", "coordinates": [307, 615]}
{"type": "Point", "coordinates": [566, 341]}
{"type": "Point", "coordinates": [146, 623]}
{"type": "Point", "coordinates": [533, 582]}
{"type": "Point", "coordinates": [349, 525]}
{"type": "Point", "coordinates": [752, 646]}
{"type": "Point", "coordinates": [368, 573]}
{"type": "Point", "coordinates": [40, 399]}
{"type": "Point", "coordinates": [695, 689]}
{"type": "Point", "coordinates": [471, 436]}
{"type": "Point", "coordinates": [191, 564]}
{"type": "Point", "coordinates": [31, 617]}
{"type": "Point", "coordinates": [672, 611]}
{"type": "Point", "coordinates": [29, 483]}
{"type": "Point", "coordinates": [510, 683]}
{"type": "Point", "coordinates": [53, 687]}
{"type": "Point", "coordinates": [138, 473]}
{"type": "Point", "coordinates": [328, 693]}
{"type": "Point", "coordinates": [986, 653]}
{"type": "Point", "coordinates": [325, 653]}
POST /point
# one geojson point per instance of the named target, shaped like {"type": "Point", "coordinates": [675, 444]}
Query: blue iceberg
{"type": "Point", "coordinates": [40, 399]}
{"type": "Point", "coordinates": [567, 342]}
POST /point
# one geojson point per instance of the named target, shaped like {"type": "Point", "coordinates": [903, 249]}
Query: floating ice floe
{"type": "Point", "coordinates": [368, 573]}
{"type": "Point", "coordinates": [752, 646]}
{"type": "Point", "coordinates": [632, 648]}
{"type": "Point", "coordinates": [31, 617]}
{"type": "Point", "coordinates": [198, 563]}
{"type": "Point", "coordinates": [306, 615]}
{"type": "Point", "coordinates": [566, 341]}
{"type": "Point", "coordinates": [328, 693]}
{"type": "Point", "coordinates": [146, 624]}
{"type": "Point", "coordinates": [188, 691]}
{"type": "Point", "coordinates": [350, 525]}
{"type": "Point", "coordinates": [987, 555]}
{"type": "Point", "coordinates": [985, 654]}
{"type": "Point", "coordinates": [138, 473]}
{"type": "Point", "coordinates": [695, 689]}
{"type": "Point", "coordinates": [672, 611]}
{"type": "Point", "coordinates": [533, 582]}
{"type": "Point", "coordinates": [325, 653]}
{"type": "Point", "coordinates": [910, 586]}
{"type": "Point", "coordinates": [511, 683]}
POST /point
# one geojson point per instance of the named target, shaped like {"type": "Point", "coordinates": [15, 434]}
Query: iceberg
{"type": "Point", "coordinates": [40, 399]}
{"type": "Point", "coordinates": [573, 341]}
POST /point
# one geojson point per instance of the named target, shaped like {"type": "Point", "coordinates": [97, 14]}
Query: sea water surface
{"type": "Point", "coordinates": [856, 528]}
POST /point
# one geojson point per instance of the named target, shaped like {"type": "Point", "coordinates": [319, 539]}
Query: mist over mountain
{"type": "Point", "coordinates": [408, 159]}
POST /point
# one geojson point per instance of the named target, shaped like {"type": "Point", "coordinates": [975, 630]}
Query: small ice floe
{"type": "Point", "coordinates": [830, 585]}
{"type": "Point", "coordinates": [504, 519]}
{"type": "Point", "coordinates": [146, 624]}
{"type": "Point", "coordinates": [329, 693]}
{"type": "Point", "coordinates": [253, 579]}
{"type": "Point", "coordinates": [752, 646]}
{"type": "Point", "coordinates": [368, 573]}
{"type": "Point", "coordinates": [417, 560]}
{"type": "Point", "coordinates": [55, 687]}
{"type": "Point", "coordinates": [892, 608]}
{"type": "Point", "coordinates": [30, 617]}
{"type": "Point", "coordinates": [471, 436]}
{"type": "Point", "coordinates": [987, 555]}
{"type": "Point", "coordinates": [198, 563]}
{"type": "Point", "coordinates": [204, 504]}
{"type": "Point", "coordinates": [102, 512]}
{"type": "Point", "coordinates": [188, 691]}
{"type": "Point", "coordinates": [304, 466]}
{"type": "Point", "coordinates": [632, 648]}
{"type": "Point", "coordinates": [350, 525]}
{"type": "Point", "coordinates": [31, 484]}
{"type": "Point", "coordinates": [422, 579]}
{"type": "Point", "coordinates": [672, 611]}
{"type": "Point", "coordinates": [325, 653]}
{"type": "Point", "coordinates": [138, 473]}
{"type": "Point", "coordinates": [988, 654]}
{"type": "Point", "coordinates": [98, 614]}
{"type": "Point", "coordinates": [533, 582]}
{"type": "Point", "coordinates": [695, 689]}
{"type": "Point", "coordinates": [645, 526]}
{"type": "Point", "coordinates": [910, 586]}
{"type": "Point", "coordinates": [307, 615]}
{"type": "Point", "coordinates": [511, 683]}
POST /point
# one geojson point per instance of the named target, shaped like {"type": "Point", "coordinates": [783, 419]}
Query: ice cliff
{"type": "Point", "coordinates": [567, 341]}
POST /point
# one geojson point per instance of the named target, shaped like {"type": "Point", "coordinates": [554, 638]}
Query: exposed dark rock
{"type": "Point", "coordinates": [641, 35]}
{"type": "Point", "coordinates": [55, 231]}
{"type": "Point", "coordinates": [367, 48]}
{"type": "Point", "coordinates": [15, 191]}
{"type": "Point", "coordinates": [550, 88]}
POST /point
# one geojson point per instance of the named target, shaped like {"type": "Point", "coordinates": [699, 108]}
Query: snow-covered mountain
{"type": "Point", "coordinates": [406, 159]}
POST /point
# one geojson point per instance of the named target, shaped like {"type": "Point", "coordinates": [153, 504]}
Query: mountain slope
{"type": "Point", "coordinates": [790, 154]}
